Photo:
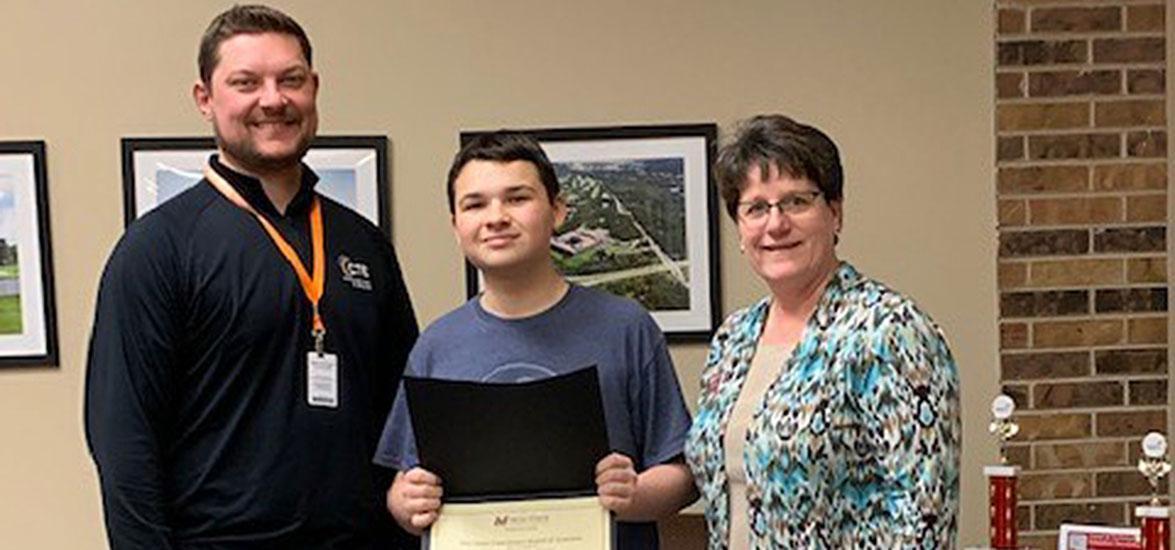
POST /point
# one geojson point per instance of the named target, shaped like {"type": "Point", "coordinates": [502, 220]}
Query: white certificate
{"type": "Point", "coordinates": [580, 523]}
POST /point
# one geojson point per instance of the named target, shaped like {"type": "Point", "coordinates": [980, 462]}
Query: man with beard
{"type": "Point", "coordinates": [249, 334]}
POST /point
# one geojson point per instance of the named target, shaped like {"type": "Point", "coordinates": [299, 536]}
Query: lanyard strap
{"type": "Point", "coordinates": [312, 286]}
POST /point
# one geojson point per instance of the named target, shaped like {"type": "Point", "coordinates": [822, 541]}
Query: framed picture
{"type": "Point", "coordinates": [1082, 537]}
{"type": "Point", "coordinates": [642, 219]}
{"type": "Point", "coordinates": [28, 324]}
{"type": "Point", "coordinates": [352, 170]}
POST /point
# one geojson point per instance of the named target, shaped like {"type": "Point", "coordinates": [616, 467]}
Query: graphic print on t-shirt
{"type": "Point", "coordinates": [514, 373]}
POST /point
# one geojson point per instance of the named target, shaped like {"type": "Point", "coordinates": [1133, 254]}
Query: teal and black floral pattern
{"type": "Point", "coordinates": [856, 444]}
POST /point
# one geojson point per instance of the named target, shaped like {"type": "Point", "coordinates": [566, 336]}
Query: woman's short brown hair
{"type": "Point", "coordinates": [792, 148]}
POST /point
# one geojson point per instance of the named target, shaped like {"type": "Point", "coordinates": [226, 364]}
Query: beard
{"type": "Point", "coordinates": [245, 152]}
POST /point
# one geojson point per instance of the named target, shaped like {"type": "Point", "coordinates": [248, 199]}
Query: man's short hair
{"type": "Point", "coordinates": [776, 141]}
{"type": "Point", "coordinates": [504, 146]}
{"type": "Point", "coordinates": [247, 19]}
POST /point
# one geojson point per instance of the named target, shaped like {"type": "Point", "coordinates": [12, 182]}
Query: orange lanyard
{"type": "Point", "coordinates": [312, 286]}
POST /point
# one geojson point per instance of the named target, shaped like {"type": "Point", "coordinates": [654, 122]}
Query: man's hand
{"type": "Point", "coordinates": [415, 499]}
{"type": "Point", "coordinates": [616, 481]}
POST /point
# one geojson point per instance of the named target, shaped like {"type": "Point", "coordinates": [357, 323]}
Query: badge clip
{"type": "Point", "coordinates": [319, 338]}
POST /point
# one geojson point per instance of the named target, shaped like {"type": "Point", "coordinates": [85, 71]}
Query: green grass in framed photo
{"type": "Point", "coordinates": [28, 325]}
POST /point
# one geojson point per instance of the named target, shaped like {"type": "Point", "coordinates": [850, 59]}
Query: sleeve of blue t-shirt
{"type": "Point", "coordinates": [397, 444]}
{"type": "Point", "coordinates": [660, 411]}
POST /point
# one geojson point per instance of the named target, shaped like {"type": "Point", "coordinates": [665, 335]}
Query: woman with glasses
{"type": "Point", "coordinates": [829, 410]}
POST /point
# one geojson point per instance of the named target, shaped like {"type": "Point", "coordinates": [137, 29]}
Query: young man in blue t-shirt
{"type": "Point", "coordinates": [531, 323]}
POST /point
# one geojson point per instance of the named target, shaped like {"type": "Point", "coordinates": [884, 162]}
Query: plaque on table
{"type": "Point", "coordinates": [1098, 537]}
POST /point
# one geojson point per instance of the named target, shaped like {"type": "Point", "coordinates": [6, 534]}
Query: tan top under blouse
{"type": "Point", "coordinates": [765, 368]}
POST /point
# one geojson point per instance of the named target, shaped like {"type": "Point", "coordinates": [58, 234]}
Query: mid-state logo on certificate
{"type": "Point", "coordinates": [521, 522]}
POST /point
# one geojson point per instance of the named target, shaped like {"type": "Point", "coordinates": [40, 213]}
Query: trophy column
{"type": "Point", "coordinates": [1001, 479]}
{"type": "Point", "coordinates": [1156, 518]}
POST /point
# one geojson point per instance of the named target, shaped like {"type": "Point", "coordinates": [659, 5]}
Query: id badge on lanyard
{"type": "Point", "coordinates": [322, 379]}
{"type": "Point", "coordinates": [322, 369]}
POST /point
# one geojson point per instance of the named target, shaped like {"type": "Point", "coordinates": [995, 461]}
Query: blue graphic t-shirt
{"type": "Point", "coordinates": [643, 407]}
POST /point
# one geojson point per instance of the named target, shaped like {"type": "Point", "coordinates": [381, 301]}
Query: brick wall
{"type": "Point", "coordinates": [1082, 178]}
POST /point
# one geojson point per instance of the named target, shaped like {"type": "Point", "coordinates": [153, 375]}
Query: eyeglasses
{"type": "Point", "coordinates": [791, 204]}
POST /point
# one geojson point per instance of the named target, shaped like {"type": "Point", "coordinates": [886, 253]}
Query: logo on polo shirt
{"type": "Point", "coordinates": [356, 273]}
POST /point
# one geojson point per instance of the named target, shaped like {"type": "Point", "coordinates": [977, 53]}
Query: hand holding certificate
{"type": "Point", "coordinates": [512, 458]}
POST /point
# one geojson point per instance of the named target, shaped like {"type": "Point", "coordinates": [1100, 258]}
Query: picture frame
{"type": "Point", "coordinates": [651, 186]}
{"type": "Point", "coordinates": [1081, 537]}
{"type": "Point", "coordinates": [352, 170]}
{"type": "Point", "coordinates": [28, 316]}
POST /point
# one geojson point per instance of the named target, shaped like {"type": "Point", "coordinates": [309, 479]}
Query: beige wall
{"type": "Point", "coordinates": [906, 92]}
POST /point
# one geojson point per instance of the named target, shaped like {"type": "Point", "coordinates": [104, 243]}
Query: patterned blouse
{"type": "Point", "coordinates": [855, 445]}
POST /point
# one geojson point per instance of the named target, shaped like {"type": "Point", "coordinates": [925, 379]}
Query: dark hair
{"type": "Point", "coordinates": [248, 19]}
{"type": "Point", "coordinates": [504, 146]}
{"type": "Point", "coordinates": [767, 141]}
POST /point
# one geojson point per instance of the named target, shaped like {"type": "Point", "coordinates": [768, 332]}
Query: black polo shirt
{"type": "Point", "coordinates": [196, 411]}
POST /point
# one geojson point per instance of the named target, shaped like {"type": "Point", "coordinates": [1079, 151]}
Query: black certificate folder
{"type": "Point", "coordinates": [491, 441]}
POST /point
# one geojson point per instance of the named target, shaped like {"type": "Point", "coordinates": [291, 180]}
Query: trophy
{"type": "Point", "coordinates": [1156, 518]}
{"type": "Point", "coordinates": [1001, 479]}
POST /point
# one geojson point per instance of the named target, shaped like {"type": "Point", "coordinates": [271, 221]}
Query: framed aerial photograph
{"type": "Point", "coordinates": [642, 219]}
{"type": "Point", "coordinates": [352, 170]}
{"type": "Point", "coordinates": [28, 324]}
